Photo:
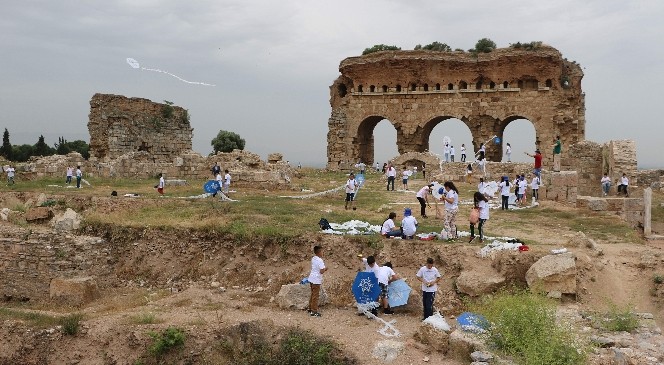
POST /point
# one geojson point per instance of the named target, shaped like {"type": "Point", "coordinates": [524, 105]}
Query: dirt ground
{"type": "Point", "coordinates": [207, 287]}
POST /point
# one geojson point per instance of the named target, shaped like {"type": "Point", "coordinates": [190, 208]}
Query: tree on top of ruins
{"type": "Point", "coordinates": [6, 149]}
{"type": "Point", "coordinates": [435, 46]}
{"type": "Point", "coordinates": [484, 45]}
{"type": "Point", "coordinates": [42, 149]}
{"type": "Point", "coordinates": [380, 47]}
{"type": "Point", "coordinates": [226, 141]}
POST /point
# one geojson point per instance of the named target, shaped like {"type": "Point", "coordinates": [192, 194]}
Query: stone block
{"type": "Point", "coordinates": [74, 291]}
{"type": "Point", "coordinates": [633, 204]}
{"type": "Point", "coordinates": [476, 283]}
{"type": "Point", "coordinates": [38, 215]}
{"type": "Point", "coordinates": [553, 273]}
{"type": "Point", "coordinates": [297, 296]}
{"type": "Point", "coordinates": [462, 344]}
{"type": "Point", "coordinates": [67, 221]}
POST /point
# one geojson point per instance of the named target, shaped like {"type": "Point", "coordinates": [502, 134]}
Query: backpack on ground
{"type": "Point", "coordinates": [324, 224]}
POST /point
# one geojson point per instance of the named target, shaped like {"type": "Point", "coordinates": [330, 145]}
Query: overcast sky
{"type": "Point", "coordinates": [273, 62]}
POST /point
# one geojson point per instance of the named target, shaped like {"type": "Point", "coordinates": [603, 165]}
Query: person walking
{"type": "Point", "coordinates": [79, 176]}
{"type": "Point", "coordinates": [451, 199]}
{"type": "Point", "coordinates": [422, 196]}
{"type": "Point", "coordinates": [463, 152]}
{"type": "Point", "coordinates": [351, 188]}
{"type": "Point", "coordinates": [508, 152]}
{"type": "Point", "coordinates": [391, 175]}
{"type": "Point", "coordinates": [481, 203]}
{"type": "Point", "coordinates": [10, 174]}
{"type": "Point", "coordinates": [505, 192]}
{"type": "Point", "coordinates": [160, 185]}
{"type": "Point", "coordinates": [538, 162]}
{"type": "Point", "coordinates": [606, 184]}
{"type": "Point", "coordinates": [429, 276]}
{"type": "Point", "coordinates": [70, 174]}
{"type": "Point", "coordinates": [557, 150]}
{"type": "Point", "coordinates": [315, 278]}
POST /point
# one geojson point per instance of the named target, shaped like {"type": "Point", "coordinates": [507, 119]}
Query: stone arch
{"type": "Point", "coordinates": [363, 142]}
{"type": "Point", "coordinates": [431, 124]}
{"type": "Point", "coordinates": [530, 146]}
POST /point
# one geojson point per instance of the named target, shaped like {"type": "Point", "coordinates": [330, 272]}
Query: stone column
{"type": "Point", "coordinates": [647, 207]}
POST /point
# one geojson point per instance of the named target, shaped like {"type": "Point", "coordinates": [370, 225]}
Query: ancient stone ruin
{"type": "Point", "coordinates": [416, 90]}
{"type": "Point", "coordinates": [120, 125]}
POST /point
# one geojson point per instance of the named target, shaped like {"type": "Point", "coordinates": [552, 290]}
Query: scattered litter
{"type": "Point", "coordinates": [353, 227]}
{"type": "Point", "coordinates": [559, 251]}
{"type": "Point", "coordinates": [438, 322]}
{"type": "Point", "coordinates": [131, 195]}
{"type": "Point", "coordinates": [499, 245]}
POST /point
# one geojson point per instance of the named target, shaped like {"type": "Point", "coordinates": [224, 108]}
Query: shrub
{"type": "Point", "coordinates": [658, 278]}
{"type": "Point", "coordinates": [302, 348]}
{"type": "Point", "coordinates": [620, 319]}
{"type": "Point", "coordinates": [380, 47]}
{"type": "Point", "coordinates": [166, 340]}
{"type": "Point", "coordinates": [523, 325]}
{"type": "Point", "coordinates": [71, 324]}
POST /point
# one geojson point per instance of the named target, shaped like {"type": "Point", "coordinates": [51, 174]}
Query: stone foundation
{"type": "Point", "coordinates": [630, 210]}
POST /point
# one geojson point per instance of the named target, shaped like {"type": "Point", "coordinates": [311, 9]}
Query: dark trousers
{"type": "Point", "coordinates": [505, 201]}
{"type": "Point", "coordinates": [623, 188]}
{"type": "Point", "coordinates": [68, 180]}
{"type": "Point", "coordinates": [427, 302]}
{"type": "Point", "coordinates": [78, 181]}
{"type": "Point", "coordinates": [480, 224]}
{"type": "Point", "coordinates": [390, 180]}
{"type": "Point", "coordinates": [463, 157]}
{"type": "Point", "coordinates": [536, 194]}
{"type": "Point", "coordinates": [423, 206]}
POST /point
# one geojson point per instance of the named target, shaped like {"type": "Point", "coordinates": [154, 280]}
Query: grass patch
{"type": "Point", "coordinates": [146, 318]}
{"type": "Point", "coordinates": [166, 340]}
{"type": "Point", "coordinates": [617, 318]}
{"type": "Point", "coordinates": [658, 279]}
{"type": "Point", "coordinates": [33, 318]}
{"type": "Point", "coordinates": [71, 324]}
{"type": "Point", "coordinates": [523, 326]}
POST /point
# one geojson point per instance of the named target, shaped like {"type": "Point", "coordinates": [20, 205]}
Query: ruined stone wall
{"type": "Point", "coordinates": [586, 159]}
{"type": "Point", "coordinates": [629, 209]}
{"type": "Point", "coordinates": [619, 158]}
{"type": "Point", "coordinates": [30, 259]}
{"type": "Point", "coordinates": [245, 167]}
{"type": "Point", "coordinates": [416, 90]}
{"type": "Point", "coordinates": [120, 125]}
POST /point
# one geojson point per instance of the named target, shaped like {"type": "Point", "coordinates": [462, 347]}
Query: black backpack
{"type": "Point", "coordinates": [324, 224]}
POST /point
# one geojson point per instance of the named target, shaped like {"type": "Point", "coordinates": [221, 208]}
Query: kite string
{"type": "Point", "coordinates": [177, 77]}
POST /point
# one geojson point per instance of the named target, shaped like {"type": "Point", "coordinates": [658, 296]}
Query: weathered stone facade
{"type": "Point", "coordinates": [416, 90]}
{"type": "Point", "coordinates": [120, 125]}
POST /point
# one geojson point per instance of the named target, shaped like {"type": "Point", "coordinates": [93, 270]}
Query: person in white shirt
{"type": "Point", "coordinates": [79, 176]}
{"type": "Point", "coordinates": [385, 276]}
{"type": "Point", "coordinates": [452, 153]}
{"type": "Point", "coordinates": [508, 152]}
{"type": "Point", "coordinates": [318, 268]}
{"type": "Point", "coordinates": [451, 199]}
{"type": "Point", "coordinates": [422, 197]}
{"type": "Point", "coordinates": [220, 183]}
{"type": "Point", "coordinates": [10, 175]}
{"type": "Point", "coordinates": [522, 189]}
{"type": "Point", "coordinates": [389, 229]}
{"type": "Point", "coordinates": [481, 163]}
{"type": "Point", "coordinates": [469, 173]}
{"type": "Point", "coordinates": [227, 182]}
{"type": "Point", "coordinates": [624, 183]}
{"type": "Point", "coordinates": [429, 276]}
{"type": "Point", "coordinates": [361, 166]}
{"type": "Point", "coordinates": [535, 184]}
{"type": "Point", "coordinates": [351, 188]}
{"type": "Point", "coordinates": [414, 172]}
{"type": "Point", "coordinates": [391, 174]}
{"type": "Point", "coordinates": [606, 184]}
{"type": "Point", "coordinates": [505, 192]}
{"type": "Point", "coordinates": [404, 178]}
{"type": "Point", "coordinates": [481, 186]}
{"type": "Point", "coordinates": [463, 152]}
{"type": "Point", "coordinates": [160, 185]}
{"type": "Point", "coordinates": [408, 224]}
{"type": "Point", "coordinates": [481, 203]}
{"type": "Point", "coordinates": [446, 152]}
{"type": "Point", "coordinates": [70, 174]}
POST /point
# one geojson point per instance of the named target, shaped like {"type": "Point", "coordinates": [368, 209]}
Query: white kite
{"type": "Point", "coordinates": [134, 64]}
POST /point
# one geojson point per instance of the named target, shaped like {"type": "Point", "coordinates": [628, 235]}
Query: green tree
{"type": "Point", "coordinates": [42, 149]}
{"type": "Point", "coordinates": [380, 47]}
{"type": "Point", "coordinates": [6, 149]}
{"type": "Point", "coordinates": [62, 147]}
{"type": "Point", "coordinates": [435, 46]}
{"type": "Point", "coordinates": [81, 147]}
{"type": "Point", "coordinates": [484, 45]}
{"type": "Point", "coordinates": [22, 152]}
{"type": "Point", "coordinates": [226, 141]}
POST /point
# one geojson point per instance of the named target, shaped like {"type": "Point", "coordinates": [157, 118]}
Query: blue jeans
{"type": "Point", "coordinates": [606, 187]}
{"type": "Point", "coordinates": [393, 234]}
{"type": "Point", "coordinates": [427, 301]}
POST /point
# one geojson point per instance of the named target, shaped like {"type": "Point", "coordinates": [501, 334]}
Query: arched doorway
{"type": "Point", "coordinates": [520, 133]}
{"type": "Point", "coordinates": [458, 132]}
{"type": "Point", "coordinates": [376, 141]}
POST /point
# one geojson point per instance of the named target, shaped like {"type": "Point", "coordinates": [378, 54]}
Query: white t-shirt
{"type": "Point", "coordinates": [535, 183]}
{"type": "Point", "coordinates": [351, 185]}
{"type": "Point", "coordinates": [484, 209]}
{"type": "Point", "coordinates": [219, 180]}
{"type": "Point", "coordinates": [317, 264]}
{"type": "Point", "coordinates": [383, 274]}
{"type": "Point", "coordinates": [409, 225]}
{"type": "Point", "coordinates": [504, 188]}
{"type": "Point", "coordinates": [391, 171]}
{"type": "Point", "coordinates": [406, 174]}
{"type": "Point", "coordinates": [423, 192]}
{"type": "Point", "coordinates": [508, 150]}
{"type": "Point", "coordinates": [374, 269]}
{"type": "Point", "coordinates": [70, 171]}
{"type": "Point", "coordinates": [606, 179]}
{"type": "Point", "coordinates": [10, 171]}
{"type": "Point", "coordinates": [446, 149]}
{"type": "Point", "coordinates": [522, 186]}
{"type": "Point", "coordinates": [451, 151]}
{"type": "Point", "coordinates": [463, 150]}
{"type": "Point", "coordinates": [227, 179]}
{"type": "Point", "coordinates": [624, 180]}
{"type": "Point", "coordinates": [161, 181]}
{"type": "Point", "coordinates": [388, 225]}
{"type": "Point", "coordinates": [451, 194]}
{"type": "Point", "coordinates": [481, 186]}
{"type": "Point", "coordinates": [79, 173]}
{"type": "Point", "coordinates": [428, 275]}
